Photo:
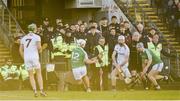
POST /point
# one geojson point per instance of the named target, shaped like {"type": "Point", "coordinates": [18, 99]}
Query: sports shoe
{"type": "Point", "coordinates": [88, 90]}
{"type": "Point", "coordinates": [146, 88]}
{"type": "Point", "coordinates": [157, 87]}
{"type": "Point", "coordinates": [66, 87]}
{"type": "Point", "coordinates": [114, 90]}
{"type": "Point", "coordinates": [35, 94]}
{"type": "Point", "coordinates": [166, 78]}
{"type": "Point", "coordinates": [42, 93]}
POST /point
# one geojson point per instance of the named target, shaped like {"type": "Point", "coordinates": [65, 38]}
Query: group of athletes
{"type": "Point", "coordinates": [152, 65]}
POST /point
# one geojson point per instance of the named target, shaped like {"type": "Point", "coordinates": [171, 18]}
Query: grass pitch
{"type": "Point", "coordinates": [95, 95]}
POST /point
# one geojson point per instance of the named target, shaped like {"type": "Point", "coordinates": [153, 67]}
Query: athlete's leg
{"type": "Point", "coordinates": [86, 82]}
{"type": "Point", "coordinates": [114, 73]}
{"type": "Point", "coordinates": [151, 75]}
{"type": "Point", "coordinates": [69, 78]}
{"type": "Point", "coordinates": [32, 80]}
{"type": "Point", "coordinates": [40, 81]}
{"type": "Point", "coordinates": [39, 78]}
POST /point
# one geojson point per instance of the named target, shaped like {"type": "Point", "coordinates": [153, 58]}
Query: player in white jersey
{"type": "Point", "coordinates": [120, 59]}
{"type": "Point", "coordinates": [29, 49]}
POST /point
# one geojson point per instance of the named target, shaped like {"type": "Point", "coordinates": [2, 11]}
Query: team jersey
{"type": "Point", "coordinates": [29, 43]}
{"type": "Point", "coordinates": [77, 58]}
{"type": "Point", "coordinates": [148, 54]}
{"type": "Point", "coordinates": [122, 53]}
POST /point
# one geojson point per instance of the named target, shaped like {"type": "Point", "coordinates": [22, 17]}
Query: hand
{"type": "Point", "coordinates": [95, 60]}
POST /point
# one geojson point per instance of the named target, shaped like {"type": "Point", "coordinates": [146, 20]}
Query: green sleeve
{"type": "Point", "coordinates": [149, 56]}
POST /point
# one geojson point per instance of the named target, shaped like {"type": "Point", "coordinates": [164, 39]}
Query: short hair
{"type": "Point", "coordinates": [112, 29]}
{"type": "Point", "coordinates": [68, 30]}
{"type": "Point", "coordinates": [113, 17]}
{"type": "Point", "coordinates": [126, 22]}
{"type": "Point", "coordinates": [81, 25]}
{"type": "Point", "coordinates": [92, 27]}
{"type": "Point", "coordinates": [46, 19]}
{"type": "Point", "coordinates": [122, 25]}
{"type": "Point", "coordinates": [152, 28]}
{"type": "Point", "coordinates": [72, 25]}
{"type": "Point", "coordinates": [101, 37]}
{"type": "Point", "coordinates": [103, 18]}
{"type": "Point", "coordinates": [90, 21]}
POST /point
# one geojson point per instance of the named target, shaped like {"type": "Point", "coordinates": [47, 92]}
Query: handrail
{"type": "Point", "coordinates": [150, 24]}
{"type": "Point", "coordinates": [125, 11]}
{"type": "Point", "coordinates": [11, 15]}
{"type": "Point", "coordinates": [144, 17]}
{"type": "Point", "coordinates": [8, 32]}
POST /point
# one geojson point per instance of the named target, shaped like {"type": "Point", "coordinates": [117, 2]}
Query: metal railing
{"type": "Point", "coordinates": [9, 27]}
{"type": "Point", "coordinates": [147, 22]}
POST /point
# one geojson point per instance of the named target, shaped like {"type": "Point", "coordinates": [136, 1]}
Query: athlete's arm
{"type": "Point", "coordinates": [21, 50]}
{"type": "Point", "coordinates": [114, 57]}
{"type": "Point", "coordinates": [38, 43]}
{"type": "Point", "coordinates": [39, 46]}
{"type": "Point", "coordinates": [90, 61]}
{"type": "Point", "coordinates": [149, 61]}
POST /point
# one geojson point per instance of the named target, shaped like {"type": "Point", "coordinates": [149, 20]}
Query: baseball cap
{"type": "Point", "coordinates": [140, 45]}
{"type": "Point", "coordinates": [81, 42]}
{"type": "Point", "coordinates": [32, 27]}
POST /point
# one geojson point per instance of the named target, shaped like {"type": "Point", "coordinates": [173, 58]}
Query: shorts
{"type": "Point", "coordinates": [79, 72]}
{"type": "Point", "coordinates": [126, 71]}
{"type": "Point", "coordinates": [32, 64]}
{"type": "Point", "coordinates": [158, 67]}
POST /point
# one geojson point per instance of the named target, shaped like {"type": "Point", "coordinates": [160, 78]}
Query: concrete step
{"type": "Point", "coordinates": [145, 9]}
{"type": "Point", "coordinates": [144, 5]}
{"type": "Point", "coordinates": [174, 43]}
{"type": "Point", "coordinates": [3, 49]}
{"type": "Point", "coordinates": [4, 53]}
{"type": "Point", "coordinates": [168, 36]}
{"type": "Point", "coordinates": [153, 20]}
{"type": "Point", "coordinates": [2, 46]}
{"type": "Point", "coordinates": [170, 39]}
{"type": "Point", "coordinates": [148, 13]}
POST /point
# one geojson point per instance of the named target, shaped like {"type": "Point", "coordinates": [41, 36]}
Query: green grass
{"type": "Point", "coordinates": [95, 95]}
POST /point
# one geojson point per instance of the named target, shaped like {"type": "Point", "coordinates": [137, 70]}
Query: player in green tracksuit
{"type": "Point", "coordinates": [24, 75]}
{"type": "Point", "coordinates": [150, 59]}
{"type": "Point", "coordinates": [9, 71]}
{"type": "Point", "coordinates": [10, 75]}
{"type": "Point", "coordinates": [79, 59]}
